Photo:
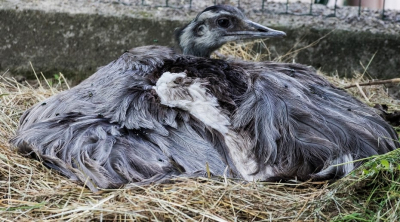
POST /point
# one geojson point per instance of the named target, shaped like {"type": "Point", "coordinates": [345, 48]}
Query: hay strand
{"type": "Point", "coordinates": [30, 191]}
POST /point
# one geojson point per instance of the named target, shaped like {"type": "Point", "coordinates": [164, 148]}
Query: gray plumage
{"type": "Point", "coordinates": [152, 114]}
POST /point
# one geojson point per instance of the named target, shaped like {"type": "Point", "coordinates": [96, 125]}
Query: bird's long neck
{"type": "Point", "coordinates": [199, 52]}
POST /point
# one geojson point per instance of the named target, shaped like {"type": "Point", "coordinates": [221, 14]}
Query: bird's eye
{"type": "Point", "coordinates": [200, 30]}
{"type": "Point", "coordinates": [223, 22]}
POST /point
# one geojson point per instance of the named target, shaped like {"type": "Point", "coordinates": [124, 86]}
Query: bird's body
{"type": "Point", "coordinates": [153, 113]}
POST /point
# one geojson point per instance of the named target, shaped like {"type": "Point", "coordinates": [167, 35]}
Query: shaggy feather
{"type": "Point", "coordinates": [284, 122]}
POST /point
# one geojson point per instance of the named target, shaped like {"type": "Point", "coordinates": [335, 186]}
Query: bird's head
{"type": "Point", "coordinates": [217, 25]}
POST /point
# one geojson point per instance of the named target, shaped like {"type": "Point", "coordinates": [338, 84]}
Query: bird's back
{"type": "Point", "coordinates": [152, 114]}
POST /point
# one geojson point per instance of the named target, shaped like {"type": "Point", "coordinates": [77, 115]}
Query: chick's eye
{"type": "Point", "coordinates": [223, 22]}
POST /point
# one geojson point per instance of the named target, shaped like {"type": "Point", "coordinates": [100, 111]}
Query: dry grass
{"type": "Point", "coordinates": [29, 191]}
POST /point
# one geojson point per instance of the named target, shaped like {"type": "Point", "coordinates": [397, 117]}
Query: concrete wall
{"type": "Point", "coordinates": [76, 44]}
{"type": "Point", "coordinates": [342, 52]}
{"type": "Point", "coordinates": [73, 44]}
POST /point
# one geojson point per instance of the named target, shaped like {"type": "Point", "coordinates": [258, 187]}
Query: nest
{"type": "Point", "coordinates": [30, 191]}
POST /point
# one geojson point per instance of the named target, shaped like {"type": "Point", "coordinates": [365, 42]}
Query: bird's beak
{"type": "Point", "coordinates": [252, 30]}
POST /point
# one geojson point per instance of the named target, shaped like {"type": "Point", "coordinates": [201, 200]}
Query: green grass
{"type": "Point", "coordinates": [371, 192]}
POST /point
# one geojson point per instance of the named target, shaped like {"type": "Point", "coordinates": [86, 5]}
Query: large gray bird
{"type": "Point", "coordinates": [153, 114]}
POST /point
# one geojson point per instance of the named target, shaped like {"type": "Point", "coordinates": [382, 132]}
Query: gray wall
{"type": "Point", "coordinates": [343, 51]}
{"type": "Point", "coordinates": [76, 44]}
{"type": "Point", "coordinates": [72, 44]}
